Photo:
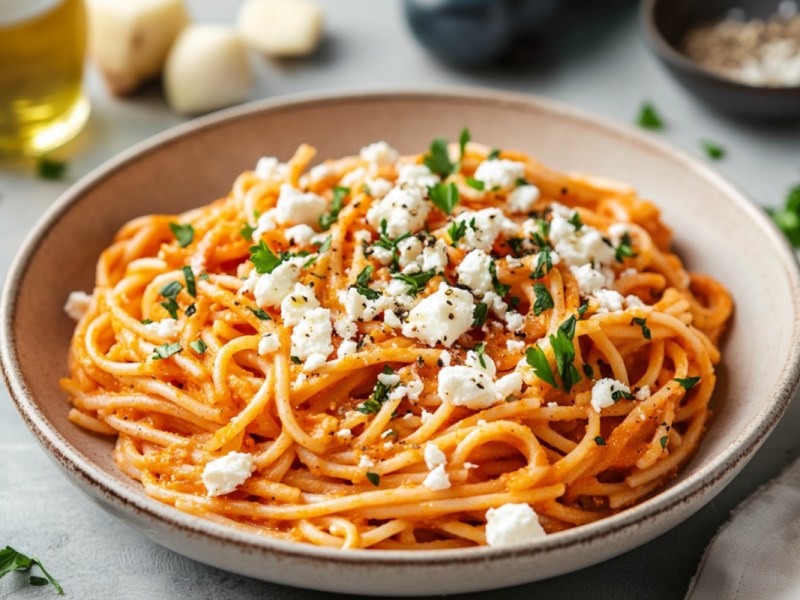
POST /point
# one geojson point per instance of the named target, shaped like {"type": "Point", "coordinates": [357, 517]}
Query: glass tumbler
{"type": "Point", "coordinates": [42, 48]}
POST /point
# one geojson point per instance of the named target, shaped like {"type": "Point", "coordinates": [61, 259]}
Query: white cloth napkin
{"type": "Point", "coordinates": [756, 555]}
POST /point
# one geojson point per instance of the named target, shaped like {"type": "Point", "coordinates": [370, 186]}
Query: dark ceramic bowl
{"type": "Point", "coordinates": [665, 22]}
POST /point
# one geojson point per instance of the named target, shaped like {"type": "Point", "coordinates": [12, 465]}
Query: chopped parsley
{"type": "Point", "coordinates": [625, 248]}
{"type": "Point", "coordinates": [387, 243]}
{"type": "Point", "coordinates": [463, 140]}
{"type": "Point", "coordinates": [12, 560]}
{"type": "Point", "coordinates": [296, 360]}
{"type": "Point", "coordinates": [500, 288]}
{"type": "Point", "coordinates": [575, 221]}
{"type": "Point", "coordinates": [600, 440]}
{"type": "Point", "coordinates": [438, 158]}
{"type": "Point", "coordinates": [544, 300]}
{"type": "Point", "coordinates": [649, 118]}
{"type": "Point", "coordinates": [537, 359]}
{"type": "Point", "coordinates": [688, 382]}
{"type": "Point", "coordinates": [184, 233]}
{"type": "Point", "coordinates": [618, 395]}
{"type": "Point", "coordinates": [191, 309]}
{"type": "Point", "coordinates": [264, 259]}
{"type": "Point", "coordinates": [166, 350]}
{"type": "Point", "coordinates": [564, 351]}
{"type": "Point", "coordinates": [416, 282]}
{"type": "Point", "coordinates": [374, 478]}
{"type": "Point", "coordinates": [261, 314]}
{"type": "Point", "coordinates": [170, 292]}
{"type": "Point", "coordinates": [328, 219]}
{"type": "Point", "coordinates": [544, 262]}
{"type": "Point", "coordinates": [788, 218]}
{"type": "Point", "coordinates": [198, 346]}
{"type": "Point", "coordinates": [362, 284]}
{"type": "Point", "coordinates": [494, 154]}
{"type": "Point", "coordinates": [247, 231]}
{"type": "Point", "coordinates": [204, 277]}
{"type": "Point", "coordinates": [379, 395]}
{"type": "Point", "coordinates": [444, 196]}
{"type": "Point", "coordinates": [325, 245]}
{"type": "Point", "coordinates": [457, 230]}
{"type": "Point", "coordinates": [476, 184]}
{"type": "Point", "coordinates": [664, 440]}
{"type": "Point", "coordinates": [479, 314]}
{"type": "Point", "coordinates": [713, 150]}
{"type": "Point", "coordinates": [515, 245]}
{"type": "Point", "coordinates": [642, 322]}
{"type": "Point", "coordinates": [47, 168]}
{"type": "Point", "coordinates": [188, 276]}
{"type": "Point", "coordinates": [146, 321]}
{"type": "Point", "coordinates": [480, 351]}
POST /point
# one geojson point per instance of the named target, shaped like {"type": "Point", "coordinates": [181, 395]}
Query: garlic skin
{"type": "Point", "coordinates": [130, 41]}
{"type": "Point", "coordinates": [207, 68]}
{"type": "Point", "coordinates": [280, 28]}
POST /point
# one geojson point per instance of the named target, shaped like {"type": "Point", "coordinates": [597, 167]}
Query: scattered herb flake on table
{"type": "Point", "coordinates": [12, 560]}
{"type": "Point", "coordinates": [649, 118]}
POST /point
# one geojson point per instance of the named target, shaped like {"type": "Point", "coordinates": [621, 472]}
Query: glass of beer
{"type": "Point", "coordinates": [42, 46]}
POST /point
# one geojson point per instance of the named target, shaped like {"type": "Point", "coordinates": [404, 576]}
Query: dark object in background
{"type": "Point", "coordinates": [666, 22]}
{"type": "Point", "coordinates": [477, 32]}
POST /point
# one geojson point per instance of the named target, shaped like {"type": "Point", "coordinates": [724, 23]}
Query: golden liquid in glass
{"type": "Point", "coordinates": [42, 45]}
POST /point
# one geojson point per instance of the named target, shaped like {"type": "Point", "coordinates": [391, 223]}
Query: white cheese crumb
{"type": "Point", "coordinates": [389, 379]}
{"type": "Point", "coordinates": [513, 345]}
{"type": "Point", "coordinates": [474, 272]}
{"type": "Point", "coordinates": [270, 168]}
{"type": "Point", "coordinates": [378, 188]}
{"type": "Point", "coordinates": [473, 360]}
{"type": "Point", "coordinates": [365, 462]}
{"type": "Point", "coordinates": [300, 234]}
{"type": "Point", "coordinates": [445, 357]}
{"type": "Point", "coordinates": [465, 386]}
{"type": "Point", "coordinates": [404, 210]}
{"type": "Point", "coordinates": [425, 416]}
{"type": "Point", "coordinates": [414, 388]}
{"type": "Point", "coordinates": [312, 335]}
{"type": "Point", "coordinates": [320, 172]}
{"type": "Point", "coordinates": [352, 177]}
{"type": "Point", "coordinates": [418, 176]}
{"type": "Point", "coordinates": [577, 247]}
{"type": "Point", "coordinates": [495, 304]}
{"type": "Point", "coordinates": [523, 198]}
{"type": "Point", "coordinates": [268, 344]}
{"type": "Point", "coordinates": [643, 393]}
{"type": "Point", "coordinates": [344, 434]}
{"type": "Point", "coordinates": [469, 465]}
{"type": "Point", "coordinates": [488, 224]}
{"type": "Point", "coordinates": [437, 479]}
{"type": "Point", "coordinates": [314, 362]}
{"type": "Point", "coordinates": [225, 474]}
{"type": "Point", "coordinates": [391, 319]}
{"type": "Point", "coordinates": [77, 304]}
{"type": "Point", "coordinates": [608, 301]}
{"type": "Point", "coordinates": [590, 279]}
{"type": "Point", "coordinates": [514, 321]}
{"type": "Point", "coordinates": [512, 524]}
{"type": "Point", "coordinates": [272, 288]}
{"type": "Point", "coordinates": [499, 173]}
{"type": "Point", "coordinates": [346, 348]}
{"type": "Point", "coordinates": [165, 328]}
{"type": "Point", "coordinates": [442, 317]}
{"type": "Point", "coordinates": [380, 154]}
{"type": "Point", "coordinates": [266, 222]}
{"type": "Point", "coordinates": [345, 328]}
{"type": "Point", "coordinates": [603, 391]}
{"type": "Point", "coordinates": [433, 455]}
{"type": "Point", "coordinates": [508, 385]}
{"type": "Point", "coordinates": [295, 206]}
{"type": "Point", "coordinates": [301, 299]}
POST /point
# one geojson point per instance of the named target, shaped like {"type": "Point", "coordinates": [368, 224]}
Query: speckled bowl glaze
{"type": "Point", "coordinates": [717, 230]}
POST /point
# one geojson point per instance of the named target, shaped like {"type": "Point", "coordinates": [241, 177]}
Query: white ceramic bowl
{"type": "Point", "coordinates": [717, 231]}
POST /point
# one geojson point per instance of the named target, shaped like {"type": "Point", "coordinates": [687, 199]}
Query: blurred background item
{"type": "Point", "coordinates": [741, 56]}
{"type": "Point", "coordinates": [280, 28]}
{"type": "Point", "coordinates": [42, 45]}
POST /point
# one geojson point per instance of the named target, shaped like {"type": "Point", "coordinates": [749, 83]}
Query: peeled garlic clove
{"type": "Point", "coordinates": [207, 68]}
{"type": "Point", "coordinates": [130, 40]}
{"type": "Point", "coordinates": [280, 28]}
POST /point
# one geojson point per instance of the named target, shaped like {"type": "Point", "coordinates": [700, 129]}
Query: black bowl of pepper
{"type": "Point", "coordinates": [740, 56]}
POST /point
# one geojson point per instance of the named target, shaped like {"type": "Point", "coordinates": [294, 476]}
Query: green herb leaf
{"type": "Point", "coordinates": [247, 231]}
{"type": "Point", "coordinates": [463, 139]}
{"type": "Point", "coordinates": [191, 309]}
{"type": "Point", "coordinates": [494, 154]}
{"type": "Point", "coordinates": [713, 150]}
{"type": "Point", "coordinates": [296, 360]}
{"type": "Point", "coordinates": [600, 440]}
{"type": "Point", "coordinates": [416, 282]}
{"type": "Point", "coordinates": [618, 395]}
{"type": "Point", "coordinates": [688, 383]}
{"type": "Point", "coordinates": [47, 168]}
{"type": "Point", "coordinates": [379, 395]}
{"type": "Point", "coordinates": [625, 248]}
{"type": "Point", "coordinates": [198, 346]}
{"type": "Point", "coordinates": [501, 289]}
{"type": "Point", "coordinates": [166, 350]}
{"type": "Point", "coordinates": [664, 441]}
{"type": "Point", "coordinates": [457, 230]}
{"type": "Point", "coordinates": [388, 243]}
{"type": "Point", "coordinates": [146, 321]}
{"type": "Point", "coordinates": [479, 314]}
{"type": "Point", "coordinates": [171, 306]}
{"type": "Point", "coordinates": [788, 217]}
{"type": "Point", "coordinates": [475, 183]}
{"type": "Point", "coordinates": [537, 359]}
{"type": "Point", "coordinates": [374, 478]}
{"type": "Point", "coordinates": [362, 282]}
{"type": "Point", "coordinates": [649, 118]}
{"type": "Point", "coordinates": [480, 351]}
{"type": "Point", "coordinates": [204, 277]}
{"type": "Point", "coordinates": [188, 276]}
{"type": "Point", "coordinates": [544, 300]}
{"type": "Point", "coordinates": [544, 262]}
{"type": "Point", "coordinates": [564, 352]}
{"type": "Point", "coordinates": [642, 322]}
{"type": "Point", "coordinates": [575, 221]}
{"type": "Point", "coordinates": [264, 259]}
{"type": "Point", "coordinates": [11, 560]}
{"type": "Point", "coordinates": [261, 314]}
{"type": "Point", "coordinates": [325, 245]}
{"type": "Point", "coordinates": [339, 194]}
{"type": "Point", "coordinates": [438, 158]}
{"type": "Point", "coordinates": [444, 196]}
{"type": "Point", "coordinates": [184, 233]}
{"type": "Point", "coordinates": [171, 290]}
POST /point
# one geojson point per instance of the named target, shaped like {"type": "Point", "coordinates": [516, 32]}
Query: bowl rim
{"type": "Point", "coordinates": [670, 54]}
{"type": "Point", "coordinates": [118, 494]}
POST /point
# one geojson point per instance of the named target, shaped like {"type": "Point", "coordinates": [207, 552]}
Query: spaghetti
{"type": "Point", "coordinates": [389, 352]}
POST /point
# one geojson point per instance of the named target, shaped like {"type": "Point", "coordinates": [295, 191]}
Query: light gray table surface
{"type": "Point", "coordinates": [601, 65]}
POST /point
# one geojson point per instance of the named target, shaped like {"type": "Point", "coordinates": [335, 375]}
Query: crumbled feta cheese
{"type": "Point", "coordinates": [300, 234]}
{"type": "Point", "coordinates": [408, 250]}
{"type": "Point", "coordinates": [433, 456]}
{"type": "Point", "coordinates": [578, 247]}
{"type": "Point", "coordinates": [590, 279]}
{"type": "Point", "coordinates": [295, 206]}
{"type": "Point", "coordinates": [523, 198]}
{"type": "Point", "coordinates": [352, 177]}
{"type": "Point", "coordinates": [474, 272]}
{"type": "Point", "coordinates": [603, 391]}
{"type": "Point", "coordinates": [312, 335]}
{"type": "Point", "coordinates": [225, 474]}
{"type": "Point", "coordinates": [514, 321]}
{"type": "Point", "coordinates": [268, 344]}
{"type": "Point", "coordinates": [425, 416]}
{"type": "Point", "coordinates": [395, 288]}
{"type": "Point", "coordinates": [465, 386]}
{"type": "Point", "coordinates": [513, 345]}
{"type": "Point", "coordinates": [552, 405]}
{"type": "Point", "coordinates": [445, 357]}
{"type": "Point", "coordinates": [314, 361]}
{"type": "Point", "coordinates": [643, 393]}
{"type": "Point", "coordinates": [499, 173]}
{"type": "Point", "coordinates": [508, 385]}
{"type": "Point", "coordinates": [272, 288]}
{"type": "Point", "coordinates": [416, 255]}
{"type": "Point", "coordinates": [442, 317]}
{"type": "Point", "coordinates": [344, 434]}
{"type": "Point", "coordinates": [608, 301]}
{"type": "Point", "coordinates": [488, 224]}
{"type": "Point", "coordinates": [404, 210]}
{"type": "Point", "coordinates": [512, 524]}
{"type": "Point", "coordinates": [269, 167]}
{"type": "Point", "coordinates": [346, 348]}
{"type": "Point", "coordinates": [495, 303]}
{"type": "Point", "coordinates": [365, 462]}
{"type": "Point", "coordinates": [382, 255]}
{"type": "Point", "coordinates": [301, 379]}
{"type": "Point", "coordinates": [77, 304]}
{"type": "Point", "coordinates": [469, 465]}
{"type": "Point", "coordinates": [634, 301]}
{"type": "Point", "coordinates": [473, 360]}
{"type": "Point", "coordinates": [320, 172]}
{"type": "Point", "coordinates": [378, 188]}
{"type": "Point", "coordinates": [389, 379]}
{"type": "Point", "coordinates": [418, 176]}
{"type": "Point", "coordinates": [165, 328]}
{"type": "Point", "coordinates": [266, 222]}
{"type": "Point", "coordinates": [392, 320]}
{"type": "Point", "coordinates": [301, 299]}
{"type": "Point", "coordinates": [380, 154]}
{"type": "Point", "coordinates": [481, 422]}
{"type": "Point", "coordinates": [414, 388]}
{"type": "Point", "coordinates": [437, 479]}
